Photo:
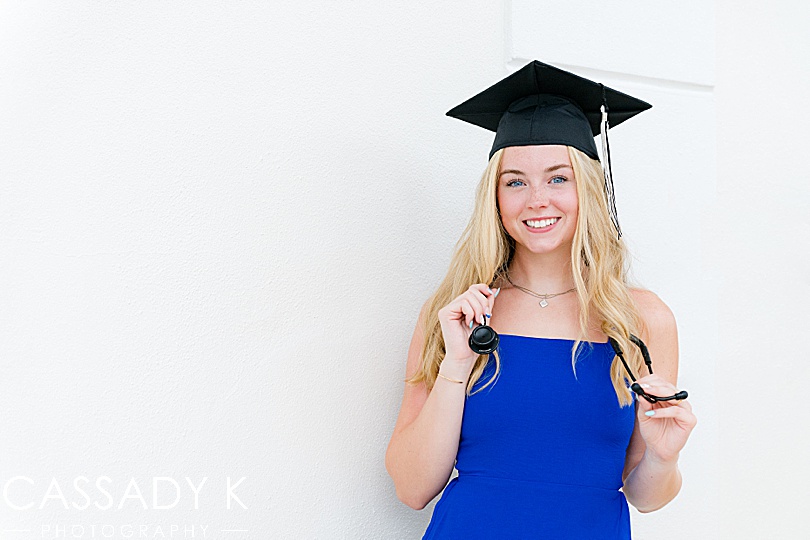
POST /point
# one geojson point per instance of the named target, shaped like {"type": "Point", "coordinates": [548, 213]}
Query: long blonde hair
{"type": "Point", "coordinates": [599, 270]}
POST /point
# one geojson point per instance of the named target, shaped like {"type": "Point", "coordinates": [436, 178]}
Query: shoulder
{"type": "Point", "coordinates": [659, 331]}
{"type": "Point", "coordinates": [654, 312]}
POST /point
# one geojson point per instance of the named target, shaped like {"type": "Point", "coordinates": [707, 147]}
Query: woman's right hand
{"type": "Point", "coordinates": [460, 316]}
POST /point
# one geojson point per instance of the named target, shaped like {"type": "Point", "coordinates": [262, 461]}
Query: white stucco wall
{"type": "Point", "coordinates": [218, 222]}
{"type": "Point", "coordinates": [760, 233]}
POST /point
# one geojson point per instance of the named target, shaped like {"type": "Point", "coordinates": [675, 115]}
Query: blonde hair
{"type": "Point", "coordinates": [599, 270]}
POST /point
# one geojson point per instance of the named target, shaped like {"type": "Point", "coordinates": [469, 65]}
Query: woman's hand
{"type": "Point", "coordinates": [460, 316]}
{"type": "Point", "coordinates": [667, 428]}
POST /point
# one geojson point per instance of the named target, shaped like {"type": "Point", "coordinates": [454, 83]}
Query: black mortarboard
{"type": "Point", "coordinates": [541, 104]}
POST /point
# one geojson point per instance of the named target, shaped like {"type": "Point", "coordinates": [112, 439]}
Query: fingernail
{"type": "Point", "coordinates": [490, 290]}
{"type": "Point", "coordinates": [646, 386]}
{"type": "Point", "coordinates": [649, 413]}
{"type": "Point", "coordinates": [471, 323]}
{"type": "Point", "coordinates": [489, 315]}
{"type": "Point", "coordinates": [497, 292]}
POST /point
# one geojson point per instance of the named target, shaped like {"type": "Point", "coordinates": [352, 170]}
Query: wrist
{"type": "Point", "coordinates": [452, 380]}
{"type": "Point", "coordinates": [661, 462]}
{"type": "Point", "coordinates": [457, 370]}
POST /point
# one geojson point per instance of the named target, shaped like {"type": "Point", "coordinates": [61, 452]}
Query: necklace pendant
{"type": "Point", "coordinates": [543, 303]}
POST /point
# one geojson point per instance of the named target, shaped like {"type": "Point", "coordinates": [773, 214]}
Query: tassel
{"type": "Point", "coordinates": [611, 199]}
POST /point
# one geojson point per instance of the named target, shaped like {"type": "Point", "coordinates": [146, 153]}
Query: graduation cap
{"type": "Point", "coordinates": [541, 104]}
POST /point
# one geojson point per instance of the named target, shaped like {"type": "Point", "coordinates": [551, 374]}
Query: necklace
{"type": "Point", "coordinates": [544, 298]}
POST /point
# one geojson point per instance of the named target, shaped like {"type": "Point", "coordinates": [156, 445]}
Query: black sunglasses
{"type": "Point", "coordinates": [484, 340]}
{"type": "Point", "coordinates": [635, 387]}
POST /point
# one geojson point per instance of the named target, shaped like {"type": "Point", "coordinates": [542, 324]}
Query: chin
{"type": "Point", "coordinates": [547, 248]}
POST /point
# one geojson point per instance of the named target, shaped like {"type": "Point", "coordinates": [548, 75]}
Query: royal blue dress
{"type": "Point", "coordinates": [542, 449]}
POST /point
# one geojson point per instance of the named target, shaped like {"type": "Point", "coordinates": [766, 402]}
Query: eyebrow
{"type": "Point", "coordinates": [548, 169]}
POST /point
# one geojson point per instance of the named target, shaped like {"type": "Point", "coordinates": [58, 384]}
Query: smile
{"type": "Point", "coordinates": [541, 223]}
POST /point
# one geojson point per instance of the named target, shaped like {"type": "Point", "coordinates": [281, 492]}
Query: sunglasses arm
{"type": "Point", "coordinates": [635, 387]}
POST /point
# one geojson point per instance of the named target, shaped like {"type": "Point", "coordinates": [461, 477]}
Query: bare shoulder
{"type": "Point", "coordinates": [654, 312]}
{"type": "Point", "coordinates": [660, 332]}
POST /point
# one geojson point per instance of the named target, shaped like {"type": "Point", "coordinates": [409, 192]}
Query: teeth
{"type": "Point", "coordinates": [540, 223]}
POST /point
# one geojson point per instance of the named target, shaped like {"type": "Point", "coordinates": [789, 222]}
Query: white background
{"type": "Point", "coordinates": [218, 222]}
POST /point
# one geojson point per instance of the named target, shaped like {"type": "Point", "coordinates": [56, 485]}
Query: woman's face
{"type": "Point", "coordinates": [537, 197]}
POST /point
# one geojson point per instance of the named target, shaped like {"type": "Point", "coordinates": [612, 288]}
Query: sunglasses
{"type": "Point", "coordinates": [635, 387]}
{"type": "Point", "coordinates": [484, 340]}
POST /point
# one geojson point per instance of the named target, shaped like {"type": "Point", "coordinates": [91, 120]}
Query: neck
{"type": "Point", "coordinates": [546, 273]}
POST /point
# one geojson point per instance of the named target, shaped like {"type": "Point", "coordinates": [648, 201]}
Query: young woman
{"type": "Point", "coordinates": [548, 439]}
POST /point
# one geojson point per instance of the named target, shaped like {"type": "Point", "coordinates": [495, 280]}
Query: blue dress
{"type": "Point", "coordinates": [542, 449]}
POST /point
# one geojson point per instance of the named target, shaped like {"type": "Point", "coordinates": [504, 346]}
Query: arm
{"type": "Point", "coordinates": [423, 448]}
{"type": "Point", "coordinates": [651, 475]}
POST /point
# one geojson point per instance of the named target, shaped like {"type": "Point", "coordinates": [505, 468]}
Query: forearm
{"type": "Point", "coordinates": [421, 456]}
{"type": "Point", "coordinates": [653, 483]}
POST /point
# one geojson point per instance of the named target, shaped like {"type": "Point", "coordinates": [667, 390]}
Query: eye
{"type": "Point", "coordinates": [559, 180]}
{"type": "Point", "coordinates": [515, 182]}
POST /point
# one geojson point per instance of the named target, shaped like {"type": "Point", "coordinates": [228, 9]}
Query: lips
{"type": "Point", "coordinates": [541, 223]}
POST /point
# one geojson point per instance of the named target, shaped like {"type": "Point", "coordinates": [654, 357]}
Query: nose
{"type": "Point", "coordinates": [539, 196]}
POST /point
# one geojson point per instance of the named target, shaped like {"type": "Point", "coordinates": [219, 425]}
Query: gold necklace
{"type": "Point", "coordinates": [543, 297]}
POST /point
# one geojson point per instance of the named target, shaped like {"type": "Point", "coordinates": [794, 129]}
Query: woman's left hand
{"type": "Point", "coordinates": [665, 431]}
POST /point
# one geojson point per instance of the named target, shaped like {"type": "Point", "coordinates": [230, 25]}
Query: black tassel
{"type": "Point", "coordinates": [611, 198]}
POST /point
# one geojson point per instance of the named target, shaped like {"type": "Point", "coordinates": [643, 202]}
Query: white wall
{"type": "Point", "coordinates": [218, 221]}
{"type": "Point", "coordinates": [760, 234]}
